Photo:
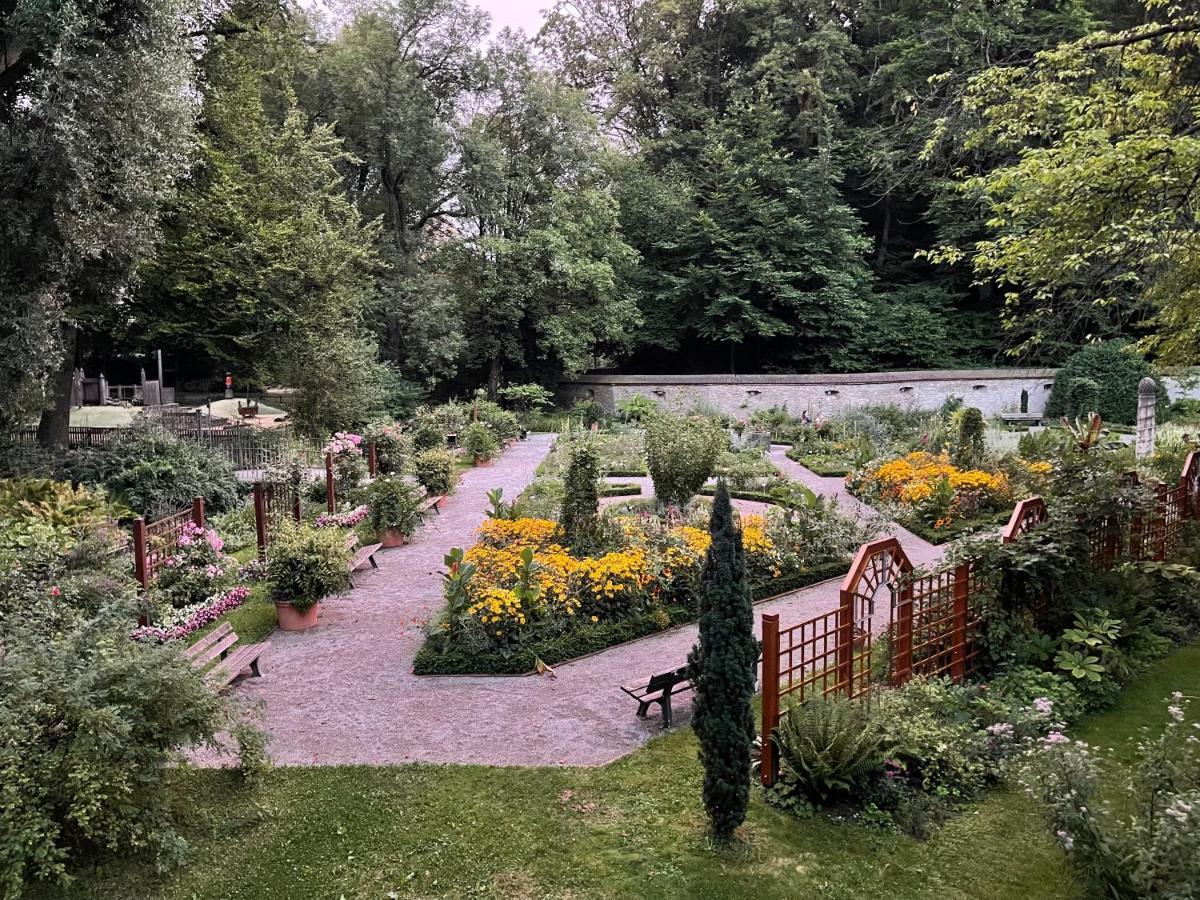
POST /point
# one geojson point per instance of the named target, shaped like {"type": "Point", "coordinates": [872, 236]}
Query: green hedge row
{"type": "Point", "coordinates": [955, 529]}
{"type": "Point", "coordinates": [619, 490]}
{"type": "Point", "coordinates": [818, 464]}
{"type": "Point", "coordinates": [592, 638]}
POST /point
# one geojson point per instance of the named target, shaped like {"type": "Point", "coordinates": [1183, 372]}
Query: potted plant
{"type": "Point", "coordinates": [479, 441]}
{"type": "Point", "coordinates": [305, 565]}
{"type": "Point", "coordinates": [395, 505]}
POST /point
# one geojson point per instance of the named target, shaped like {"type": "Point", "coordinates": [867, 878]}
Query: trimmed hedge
{"type": "Point", "coordinates": [820, 464]}
{"type": "Point", "coordinates": [592, 638]}
{"type": "Point", "coordinates": [1113, 373]}
{"type": "Point", "coordinates": [955, 529]}
{"type": "Point", "coordinates": [620, 490]}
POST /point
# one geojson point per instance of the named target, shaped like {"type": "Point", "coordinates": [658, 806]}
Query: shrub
{"type": "Point", "coordinates": [1083, 398]}
{"type": "Point", "coordinates": [393, 447]}
{"type": "Point", "coordinates": [500, 422]}
{"type": "Point", "coordinates": [305, 564]}
{"type": "Point", "coordinates": [589, 412]}
{"type": "Point", "coordinates": [638, 408]}
{"type": "Point", "coordinates": [526, 398]}
{"type": "Point", "coordinates": [969, 442]}
{"type": "Point", "coordinates": [196, 568]}
{"type": "Point", "coordinates": [723, 666]}
{"type": "Point", "coordinates": [434, 470]}
{"type": "Point", "coordinates": [681, 454]}
{"type": "Point", "coordinates": [155, 473]}
{"type": "Point", "coordinates": [89, 724]}
{"type": "Point", "coordinates": [394, 503]}
{"type": "Point", "coordinates": [1145, 844]}
{"type": "Point", "coordinates": [479, 441]}
{"type": "Point", "coordinates": [581, 502]}
{"type": "Point", "coordinates": [828, 747]}
{"type": "Point", "coordinates": [428, 432]}
{"type": "Point", "coordinates": [1116, 370]}
{"type": "Point", "coordinates": [40, 512]}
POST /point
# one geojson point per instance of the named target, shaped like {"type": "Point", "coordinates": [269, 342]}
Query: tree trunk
{"type": "Point", "coordinates": [52, 429]}
{"type": "Point", "coordinates": [494, 378]}
{"type": "Point", "coordinates": [884, 235]}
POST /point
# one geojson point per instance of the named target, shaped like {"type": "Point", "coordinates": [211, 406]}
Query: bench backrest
{"type": "Point", "coordinates": [211, 645]}
{"type": "Point", "coordinates": [665, 680]}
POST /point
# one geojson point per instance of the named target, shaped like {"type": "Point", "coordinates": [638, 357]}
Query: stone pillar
{"type": "Point", "coordinates": [1147, 400]}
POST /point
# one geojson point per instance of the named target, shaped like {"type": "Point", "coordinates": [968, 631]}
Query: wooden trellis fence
{"type": "Point", "coordinates": [273, 501]}
{"type": "Point", "coordinates": [930, 620]}
{"type": "Point", "coordinates": [154, 542]}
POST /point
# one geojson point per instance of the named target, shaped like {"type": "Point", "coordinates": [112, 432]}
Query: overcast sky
{"type": "Point", "coordinates": [523, 14]}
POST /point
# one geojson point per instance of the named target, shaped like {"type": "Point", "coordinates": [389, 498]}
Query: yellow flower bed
{"type": "Point", "coordinates": [524, 532]}
{"type": "Point", "coordinates": [934, 486]}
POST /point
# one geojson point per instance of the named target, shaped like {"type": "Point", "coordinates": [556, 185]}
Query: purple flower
{"type": "Point", "coordinates": [1044, 705]}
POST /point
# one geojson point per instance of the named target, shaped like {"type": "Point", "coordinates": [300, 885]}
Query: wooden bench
{"type": "Point", "coordinates": [659, 689]}
{"type": "Point", "coordinates": [363, 554]}
{"type": "Point", "coordinates": [1013, 418]}
{"type": "Point", "coordinates": [431, 502]}
{"type": "Point", "coordinates": [220, 645]}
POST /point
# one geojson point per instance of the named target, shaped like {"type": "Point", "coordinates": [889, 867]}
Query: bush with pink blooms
{"type": "Point", "coordinates": [196, 570]}
{"type": "Point", "coordinates": [349, 464]}
{"type": "Point", "coordinates": [181, 623]}
{"type": "Point", "coordinates": [346, 519]}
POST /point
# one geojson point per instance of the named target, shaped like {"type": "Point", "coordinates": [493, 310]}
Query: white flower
{"type": "Point", "coordinates": [1176, 713]}
{"type": "Point", "coordinates": [1067, 841]}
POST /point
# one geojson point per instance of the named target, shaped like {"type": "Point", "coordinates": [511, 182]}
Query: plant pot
{"type": "Point", "coordinates": [393, 537]}
{"type": "Point", "coordinates": [291, 619]}
{"type": "Point", "coordinates": [482, 461]}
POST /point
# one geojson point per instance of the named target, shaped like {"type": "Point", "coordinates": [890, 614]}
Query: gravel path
{"type": "Point", "coordinates": [344, 692]}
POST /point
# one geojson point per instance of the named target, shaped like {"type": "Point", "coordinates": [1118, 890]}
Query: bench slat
{"type": "Point", "coordinates": [363, 555]}
{"type": "Point", "coordinates": [208, 640]}
{"type": "Point", "coordinates": [228, 669]}
{"type": "Point", "coordinates": [203, 659]}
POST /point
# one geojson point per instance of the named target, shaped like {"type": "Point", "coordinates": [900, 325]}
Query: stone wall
{"type": "Point", "coordinates": [992, 390]}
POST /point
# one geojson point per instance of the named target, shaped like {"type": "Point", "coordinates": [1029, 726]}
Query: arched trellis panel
{"type": "Point", "coordinates": [1027, 515]}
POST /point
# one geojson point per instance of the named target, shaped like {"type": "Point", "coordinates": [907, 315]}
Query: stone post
{"type": "Point", "coordinates": [1147, 400]}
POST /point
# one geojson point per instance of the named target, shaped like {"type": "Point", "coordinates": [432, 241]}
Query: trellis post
{"type": "Point", "coordinates": [962, 593]}
{"type": "Point", "coordinates": [198, 511]}
{"type": "Point", "coordinates": [372, 466]}
{"type": "Point", "coordinates": [260, 518]}
{"type": "Point", "coordinates": [845, 641]}
{"type": "Point", "coordinates": [330, 491]}
{"type": "Point", "coordinates": [770, 694]}
{"type": "Point", "coordinates": [903, 636]}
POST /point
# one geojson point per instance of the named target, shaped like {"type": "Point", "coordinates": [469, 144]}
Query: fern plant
{"type": "Point", "coordinates": [828, 747]}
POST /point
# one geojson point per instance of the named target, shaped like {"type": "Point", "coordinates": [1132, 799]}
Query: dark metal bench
{"type": "Point", "coordinates": [220, 645]}
{"type": "Point", "coordinates": [659, 689]}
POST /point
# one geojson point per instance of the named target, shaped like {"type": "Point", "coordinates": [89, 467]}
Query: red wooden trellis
{"type": "Point", "coordinates": [932, 618]}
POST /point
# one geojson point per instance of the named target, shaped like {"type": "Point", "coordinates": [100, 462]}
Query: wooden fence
{"type": "Point", "coordinates": [154, 542]}
{"type": "Point", "coordinates": [273, 501]}
{"type": "Point", "coordinates": [930, 620]}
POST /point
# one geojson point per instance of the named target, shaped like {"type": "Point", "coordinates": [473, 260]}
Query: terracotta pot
{"type": "Point", "coordinates": [393, 537]}
{"type": "Point", "coordinates": [291, 619]}
{"type": "Point", "coordinates": [482, 461]}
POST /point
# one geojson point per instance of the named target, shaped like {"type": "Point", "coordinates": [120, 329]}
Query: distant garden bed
{"type": "Point", "coordinates": [593, 638]}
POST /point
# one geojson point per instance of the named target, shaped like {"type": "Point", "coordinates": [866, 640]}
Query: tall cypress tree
{"type": "Point", "coordinates": [723, 669]}
{"type": "Point", "coordinates": [581, 500]}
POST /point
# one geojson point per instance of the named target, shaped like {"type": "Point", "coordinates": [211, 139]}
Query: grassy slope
{"type": "Point", "coordinates": [634, 828]}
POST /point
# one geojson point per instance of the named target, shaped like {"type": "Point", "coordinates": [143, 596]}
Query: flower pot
{"type": "Point", "coordinates": [482, 461]}
{"type": "Point", "coordinates": [393, 537]}
{"type": "Point", "coordinates": [291, 619]}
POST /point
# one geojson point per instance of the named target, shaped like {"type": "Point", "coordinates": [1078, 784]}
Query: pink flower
{"type": "Point", "coordinates": [55, 591]}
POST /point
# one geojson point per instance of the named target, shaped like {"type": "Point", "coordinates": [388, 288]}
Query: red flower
{"type": "Point", "coordinates": [55, 591]}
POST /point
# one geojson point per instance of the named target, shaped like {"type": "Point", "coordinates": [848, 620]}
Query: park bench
{"type": "Point", "coordinates": [365, 553]}
{"type": "Point", "coordinates": [659, 689]}
{"type": "Point", "coordinates": [1015, 418]}
{"type": "Point", "coordinates": [221, 646]}
{"type": "Point", "coordinates": [431, 501]}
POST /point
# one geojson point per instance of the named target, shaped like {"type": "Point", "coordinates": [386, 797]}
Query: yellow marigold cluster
{"type": "Point", "coordinates": [523, 532]}
{"type": "Point", "coordinates": [914, 478]}
{"type": "Point", "coordinates": [621, 572]}
{"type": "Point", "coordinates": [498, 608]}
{"type": "Point", "coordinates": [754, 535]}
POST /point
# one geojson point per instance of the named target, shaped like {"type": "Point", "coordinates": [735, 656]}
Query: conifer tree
{"type": "Point", "coordinates": [723, 669]}
{"type": "Point", "coordinates": [581, 502]}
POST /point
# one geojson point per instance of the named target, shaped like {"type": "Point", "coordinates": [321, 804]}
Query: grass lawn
{"type": "Point", "coordinates": [631, 829]}
{"type": "Point", "coordinates": [104, 416]}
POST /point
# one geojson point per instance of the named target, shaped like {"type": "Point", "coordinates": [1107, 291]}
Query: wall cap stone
{"type": "Point", "coordinates": [843, 378]}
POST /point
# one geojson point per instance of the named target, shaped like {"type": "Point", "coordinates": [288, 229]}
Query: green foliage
{"type": "Point", "coordinates": [479, 441]}
{"type": "Point", "coordinates": [527, 398]}
{"type": "Point", "coordinates": [1141, 837]}
{"type": "Point", "coordinates": [1113, 370]}
{"type": "Point", "coordinates": [970, 440]}
{"type": "Point", "coordinates": [724, 666]}
{"type": "Point", "coordinates": [498, 508]}
{"type": "Point", "coordinates": [394, 503]}
{"type": "Point", "coordinates": [581, 503]}
{"type": "Point", "coordinates": [828, 747]}
{"type": "Point", "coordinates": [90, 722]}
{"type": "Point", "coordinates": [434, 470]}
{"type": "Point", "coordinates": [155, 473]}
{"type": "Point", "coordinates": [681, 454]}
{"type": "Point", "coordinates": [306, 564]}
{"type": "Point", "coordinates": [639, 409]}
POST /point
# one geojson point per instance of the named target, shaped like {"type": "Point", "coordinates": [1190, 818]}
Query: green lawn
{"type": "Point", "coordinates": [634, 828]}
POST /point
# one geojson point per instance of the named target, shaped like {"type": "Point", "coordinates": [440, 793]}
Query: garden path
{"type": "Point", "coordinates": [344, 693]}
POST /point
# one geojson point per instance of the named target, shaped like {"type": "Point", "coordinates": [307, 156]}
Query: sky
{"type": "Point", "coordinates": [523, 14]}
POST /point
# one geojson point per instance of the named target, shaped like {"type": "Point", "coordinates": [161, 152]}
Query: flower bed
{"type": "Point", "coordinates": [518, 595]}
{"type": "Point", "coordinates": [342, 520]}
{"type": "Point", "coordinates": [182, 622]}
{"type": "Point", "coordinates": [931, 494]}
